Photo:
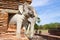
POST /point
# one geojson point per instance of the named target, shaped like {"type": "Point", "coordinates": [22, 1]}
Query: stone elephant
{"type": "Point", "coordinates": [26, 16]}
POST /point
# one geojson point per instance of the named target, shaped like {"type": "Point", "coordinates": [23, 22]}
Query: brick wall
{"type": "Point", "coordinates": [10, 4]}
{"type": "Point", "coordinates": [3, 22]}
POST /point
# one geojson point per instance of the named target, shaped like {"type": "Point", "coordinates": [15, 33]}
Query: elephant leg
{"type": "Point", "coordinates": [19, 24]}
{"type": "Point", "coordinates": [32, 30]}
{"type": "Point", "coordinates": [27, 31]}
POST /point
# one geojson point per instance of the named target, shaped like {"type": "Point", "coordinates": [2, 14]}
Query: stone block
{"type": "Point", "coordinates": [3, 21]}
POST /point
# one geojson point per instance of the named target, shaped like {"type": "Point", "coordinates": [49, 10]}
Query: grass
{"type": "Point", "coordinates": [44, 31]}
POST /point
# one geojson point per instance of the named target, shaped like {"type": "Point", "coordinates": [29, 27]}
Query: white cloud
{"type": "Point", "coordinates": [40, 2]}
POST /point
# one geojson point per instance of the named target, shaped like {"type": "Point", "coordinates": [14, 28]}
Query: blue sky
{"type": "Point", "coordinates": [47, 10]}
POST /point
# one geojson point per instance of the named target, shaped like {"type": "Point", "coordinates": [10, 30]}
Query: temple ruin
{"type": "Point", "coordinates": [8, 8]}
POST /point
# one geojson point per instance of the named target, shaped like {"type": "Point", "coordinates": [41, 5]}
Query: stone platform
{"type": "Point", "coordinates": [10, 36]}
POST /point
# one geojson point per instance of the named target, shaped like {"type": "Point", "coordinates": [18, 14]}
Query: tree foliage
{"type": "Point", "coordinates": [36, 26]}
{"type": "Point", "coordinates": [51, 26]}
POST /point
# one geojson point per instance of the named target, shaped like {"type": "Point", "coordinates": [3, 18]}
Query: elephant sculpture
{"type": "Point", "coordinates": [25, 17]}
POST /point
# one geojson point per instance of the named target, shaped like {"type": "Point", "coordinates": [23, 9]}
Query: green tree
{"type": "Point", "coordinates": [40, 27]}
{"type": "Point", "coordinates": [51, 26]}
{"type": "Point", "coordinates": [36, 26]}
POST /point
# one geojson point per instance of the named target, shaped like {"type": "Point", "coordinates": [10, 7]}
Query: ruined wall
{"type": "Point", "coordinates": [4, 17]}
{"type": "Point", "coordinates": [3, 22]}
{"type": "Point", "coordinates": [10, 4]}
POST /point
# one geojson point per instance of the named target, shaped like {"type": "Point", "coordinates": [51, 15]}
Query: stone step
{"type": "Point", "coordinates": [4, 33]}
{"type": "Point", "coordinates": [9, 36]}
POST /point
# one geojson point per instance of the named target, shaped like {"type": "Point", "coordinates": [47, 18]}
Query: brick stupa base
{"type": "Point", "coordinates": [9, 36]}
{"type": "Point", "coordinates": [12, 36]}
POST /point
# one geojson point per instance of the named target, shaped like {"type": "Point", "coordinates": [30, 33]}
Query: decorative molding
{"type": "Point", "coordinates": [9, 10]}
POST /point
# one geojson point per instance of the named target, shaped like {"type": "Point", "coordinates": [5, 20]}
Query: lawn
{"type": "Point", "coordinates": [44, 31]}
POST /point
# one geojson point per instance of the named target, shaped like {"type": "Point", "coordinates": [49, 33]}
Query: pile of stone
{"type": "Point", "coordinates": [3, 21]}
